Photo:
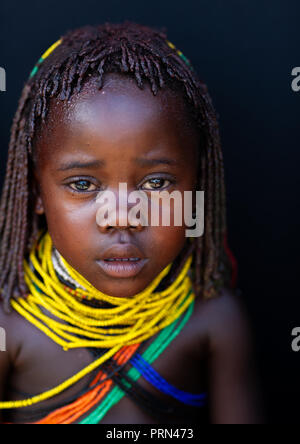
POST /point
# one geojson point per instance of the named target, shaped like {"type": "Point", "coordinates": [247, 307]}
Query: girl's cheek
{"type": "Point", "coordinates": [172, 238]}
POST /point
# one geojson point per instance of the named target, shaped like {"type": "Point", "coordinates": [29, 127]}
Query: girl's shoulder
{"type": "Point", "coordinates": [232, 359]}
{"type": "Point", "coordinates": [223, 319]}
{"type": "Point", "coordinates": [10, 345]}
{"type": "Point", "coordinates": [12, 325]}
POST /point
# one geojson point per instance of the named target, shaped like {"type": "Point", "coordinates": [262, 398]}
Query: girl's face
{"type": "Point", "coordinates": [96, 141]}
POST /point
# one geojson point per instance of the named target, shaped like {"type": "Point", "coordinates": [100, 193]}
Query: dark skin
{"type": "Point", "coordinates": [213, 352]}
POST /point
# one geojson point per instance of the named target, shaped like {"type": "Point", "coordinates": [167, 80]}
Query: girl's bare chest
{"type": "Point", "coordinates": [183, 364]}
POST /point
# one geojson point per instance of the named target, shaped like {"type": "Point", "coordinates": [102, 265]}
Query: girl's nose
{"type": "Point", "coordinates": [119, 219]}
{"type": "Point", "coordinates": [104, 228]}
{"type": "Point", "coordinates": [119, 213]}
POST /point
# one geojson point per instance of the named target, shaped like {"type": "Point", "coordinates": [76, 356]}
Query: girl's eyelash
{"type": "Point", "coordinates": [161, 178]}
{"type": "Point", "coordinates": [72, 190]}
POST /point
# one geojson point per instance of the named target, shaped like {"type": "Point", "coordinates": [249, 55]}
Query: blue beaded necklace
{"type": "Point", "coordinates": [162, 385]}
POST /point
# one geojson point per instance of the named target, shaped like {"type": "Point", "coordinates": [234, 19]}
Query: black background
{"type": "Point", "coordinates": [245, 51]}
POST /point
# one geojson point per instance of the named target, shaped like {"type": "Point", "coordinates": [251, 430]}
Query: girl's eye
{"type": "Point", "coordinates": [82, 186]}
{"type": "Point", "coordinates": [156, 184]}
{"type": "Point", "coordinates": [85, 186]}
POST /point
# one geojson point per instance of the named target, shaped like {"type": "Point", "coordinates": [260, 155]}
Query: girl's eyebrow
{"type": "Point", "coordinates": [73, 165]}
{"type": "Point", "coordinates": [100, 163]}
{"type": "Point", "coordinates": [154, 162]}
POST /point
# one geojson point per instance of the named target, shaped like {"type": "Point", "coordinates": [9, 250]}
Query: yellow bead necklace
{"type": "Point", "coordinates": [130, 320]}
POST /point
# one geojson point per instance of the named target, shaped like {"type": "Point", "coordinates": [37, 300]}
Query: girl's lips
{"type": "Point", "coordinates": [122, 269]}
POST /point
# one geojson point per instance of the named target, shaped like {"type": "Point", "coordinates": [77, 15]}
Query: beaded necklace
{"type": "Point", "coordinates": [61, 270]}
{"type": "Point", "coordinates": [101, 396]}
{"type": "Point", "coordinates": [78, 325]}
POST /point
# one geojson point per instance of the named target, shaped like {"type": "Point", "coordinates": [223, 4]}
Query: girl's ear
{"type": "Point", "coordinates": [39, 208]}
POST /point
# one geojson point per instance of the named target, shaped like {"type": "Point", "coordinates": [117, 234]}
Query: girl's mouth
{"type": "Point", "coordinates": [122, 267]}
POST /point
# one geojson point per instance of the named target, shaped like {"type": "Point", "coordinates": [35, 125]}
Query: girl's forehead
{"type": "Point", "coordinates": [125, 108]}
{"type": "Point", "coordinates": [121, 98]}
{"type": "Point", "coordinates": [118, 114]}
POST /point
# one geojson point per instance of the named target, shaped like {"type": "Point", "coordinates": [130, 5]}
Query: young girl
{"type": "Point", "coordinates": [123, 323]}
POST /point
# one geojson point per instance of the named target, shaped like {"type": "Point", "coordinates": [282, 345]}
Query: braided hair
{"type": "Point", "coordinates": [145, 54]}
